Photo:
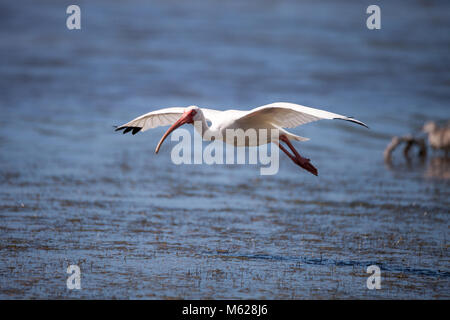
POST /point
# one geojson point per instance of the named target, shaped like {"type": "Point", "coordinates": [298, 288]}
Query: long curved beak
{"type": "Point", "coordinates": [184, 119]}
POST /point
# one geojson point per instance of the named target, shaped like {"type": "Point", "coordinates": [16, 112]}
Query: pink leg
{"type": "Point", "coordinates": [297, 158]}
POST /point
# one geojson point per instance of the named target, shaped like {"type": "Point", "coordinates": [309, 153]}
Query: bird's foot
{"type": "Point", "coordinates": [306, 164]}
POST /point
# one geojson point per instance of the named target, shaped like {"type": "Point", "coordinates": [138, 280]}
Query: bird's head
{"type": "Point", "coordinates": [190, 115]}
{"type": "Point", "coordinates": [429, 127]}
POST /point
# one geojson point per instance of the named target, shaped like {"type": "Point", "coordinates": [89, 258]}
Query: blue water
{"type": "Point", "coordinates": [73, 191]}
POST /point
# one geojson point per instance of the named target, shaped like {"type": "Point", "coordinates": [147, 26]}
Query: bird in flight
{"type": "Point", "coordinates": [278, 115]}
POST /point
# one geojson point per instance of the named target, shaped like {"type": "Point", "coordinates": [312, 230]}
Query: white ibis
{"type": "Point", "coordinates": [277, 115]}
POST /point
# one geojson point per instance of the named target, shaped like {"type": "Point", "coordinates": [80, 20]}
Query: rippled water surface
{"type": "Point", "coordinates": [72, 191]}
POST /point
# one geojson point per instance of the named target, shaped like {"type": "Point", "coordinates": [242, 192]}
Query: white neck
{"type": "Point", "coordinates": [201, 126]}
{"type": "Point", "coordinates": [205, 131]}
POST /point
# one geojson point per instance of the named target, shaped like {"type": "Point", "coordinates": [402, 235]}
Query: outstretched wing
{"type": "Point", "coordinates": [290, 115]}
{"type": "Point", "coordinates": [158, 118]}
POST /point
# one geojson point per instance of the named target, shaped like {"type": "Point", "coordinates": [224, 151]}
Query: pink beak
{"type": "Point", "coordinates": [185, 118]}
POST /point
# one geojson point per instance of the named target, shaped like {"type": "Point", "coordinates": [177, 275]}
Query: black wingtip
{"type": "Point", "coordinates": [136, 130]}
{"type": "Point", "coordinates": [133, 130]}
{"type": "Point", "coordinates": [350, 119]}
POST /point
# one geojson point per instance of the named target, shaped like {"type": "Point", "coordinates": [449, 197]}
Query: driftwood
{"type": "Point", "coordinates": [409, 141]}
